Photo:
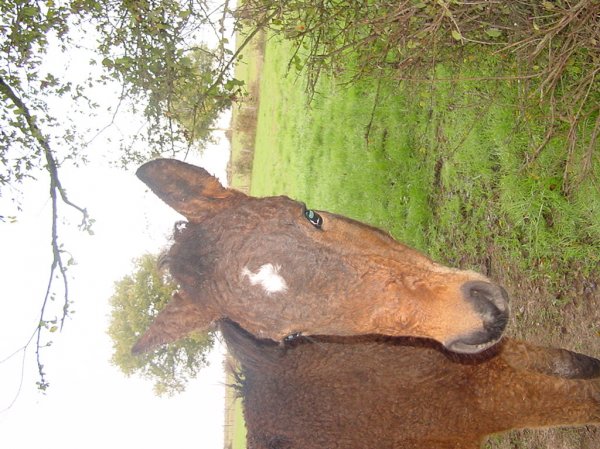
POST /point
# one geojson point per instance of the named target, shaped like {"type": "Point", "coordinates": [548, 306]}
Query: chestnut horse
{"type": "Point", "coordinates": [279, 269]}
{"type": "Point", "coordinates": [401, 393]}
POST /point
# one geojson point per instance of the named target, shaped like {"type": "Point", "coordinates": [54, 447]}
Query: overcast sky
{"type": "Point", "coordinates": [90, 403]}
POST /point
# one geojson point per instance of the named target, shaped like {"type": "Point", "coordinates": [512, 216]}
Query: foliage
{"type": "Point", "coordinates": [137, 299]}
{"type": "Point", "coordinates": [152, 49]}
{"type": "Point", "coordinates": [411, 33]}
{"type": "Point", "coordinates": [198, 102]}
{"type": "Point", "coordinates": [442, 166]}
{"type": "Point", "coordinates": [155, 50]}
{"type": "Point", "coordinates": [555, 47]}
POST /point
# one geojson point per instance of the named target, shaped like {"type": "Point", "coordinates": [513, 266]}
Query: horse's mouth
{"type": "Point", "coordinates": [462, 347]}
{"type": "Point", "coordinates": [481, 340]}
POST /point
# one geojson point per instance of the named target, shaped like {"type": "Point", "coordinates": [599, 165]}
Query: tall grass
{"type": "Point", "coordinates": [321, 154]}
{"type": "Point", "coordinates": [442, 166]}
{"type": "Point", "coordinates": [451, 168]}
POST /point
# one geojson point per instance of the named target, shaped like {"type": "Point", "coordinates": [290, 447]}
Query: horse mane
{"type": "Point", "coordinates": [192, 254]}
{"type": "Point", "coordinates": [249, 351]}
{"type": "Point", "coordinates": [254, 353]}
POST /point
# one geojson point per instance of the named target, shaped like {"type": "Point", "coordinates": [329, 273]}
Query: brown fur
{"type": "Point", "coordinates": [389, 393]}
{"type": "Point", "coordinates": [342, 278]}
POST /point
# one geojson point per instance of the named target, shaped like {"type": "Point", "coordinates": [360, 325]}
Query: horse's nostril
{"type": "Point", "coordinates": [491, 302]}
{"type": "Point", "coordinates": [486, 297]}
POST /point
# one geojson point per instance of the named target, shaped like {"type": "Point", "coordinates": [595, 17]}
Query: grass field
{"type": "Point", "coordinates": [235, 431]}
{"type": "Point", "coordinates": [443, 167]}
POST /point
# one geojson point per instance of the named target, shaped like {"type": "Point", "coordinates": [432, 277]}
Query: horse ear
{"type": "Point", "coordinates": [179, 317]}
{"type": "Point", "coordinates": [188, 189]}
{"type": "Point", "coordinates": [550, 361]}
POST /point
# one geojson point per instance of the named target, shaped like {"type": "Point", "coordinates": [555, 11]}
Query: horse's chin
{"type": "Point", "coordinates": [462, 347]}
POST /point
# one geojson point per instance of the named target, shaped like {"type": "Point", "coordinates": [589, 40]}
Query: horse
{"type": "Point", "coordinates": [404, 393]}
{"type": "Point", "coordinates": [282, 270]}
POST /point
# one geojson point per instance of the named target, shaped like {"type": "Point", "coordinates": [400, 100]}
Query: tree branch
{"type": "Point", "coordinates": [56, 191]}
{"type": "Point", "coordinates": [259, 26]}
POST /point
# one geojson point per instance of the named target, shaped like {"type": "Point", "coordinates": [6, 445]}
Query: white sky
{"type": "Point", "coordinates": [90, 403]}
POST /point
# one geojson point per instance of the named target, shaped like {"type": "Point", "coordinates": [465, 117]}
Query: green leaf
{"type": "Point", "coordinates": [233, 83]}
{"type": "Point", "coordinates": [548, 6]}
{"type": "Point", "coordinates": [137, 298]}
{"type": "Point", "coordinates": [29, 11]}
{"type": "Point", "coordinates": [124, 62]}
{"type": "Point", "coordinates": [456, 35]}
{"type": "Point", "coordinates": [493, 32]}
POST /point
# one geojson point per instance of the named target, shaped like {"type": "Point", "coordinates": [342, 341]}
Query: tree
{"type": "Point", "coordinates": [137, 299]}
{"type": "Point", "coordinates": [199, 102]}
{"type": "Point", "coordinates": [145, 46]}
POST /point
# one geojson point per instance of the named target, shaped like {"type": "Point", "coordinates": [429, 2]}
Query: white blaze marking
{"type": "Point", "coordinates": [268, 277]}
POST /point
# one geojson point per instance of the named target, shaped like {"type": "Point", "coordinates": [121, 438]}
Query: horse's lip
{"type": "Point", "coordinates": [466, 348]}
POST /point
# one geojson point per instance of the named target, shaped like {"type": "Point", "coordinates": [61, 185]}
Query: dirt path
{"type": "Point", "coordinates": [564, 315]}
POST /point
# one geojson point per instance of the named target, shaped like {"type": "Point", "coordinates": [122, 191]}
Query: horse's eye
{"type": "Point", "coordinates": [315, 219]}
{"type": "Point", "coordinates": [291, 337]}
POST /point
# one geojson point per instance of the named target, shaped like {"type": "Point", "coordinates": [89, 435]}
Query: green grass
{"type": "Point", "coordinates": [239, 429]}
{"type": "Point", "coordinates": [235, 429]}
{"type": "Point", "coordinates": [321, 155]}
{"type": "Point", "coordinates": [443, 169]}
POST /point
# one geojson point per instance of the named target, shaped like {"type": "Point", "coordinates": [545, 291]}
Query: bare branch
{"type": "Point", "coordinates": [56, 191]}
{"type": "Point", "coordinates": [18, 393]}
{"type": "Point", "coordinates": [114, 116]}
